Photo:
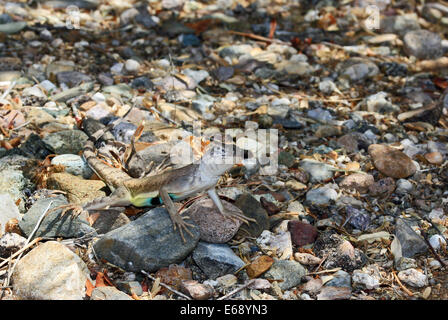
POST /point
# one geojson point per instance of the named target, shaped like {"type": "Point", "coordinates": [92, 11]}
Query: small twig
{"type": "Point", "coordinates": [408, 292]}
{"type": "Point", "coordinates": [8, 90]}
{"type": "Point", "coordinates": [166, 286]}
{"type": "Point", "coordinates": [231, 293]}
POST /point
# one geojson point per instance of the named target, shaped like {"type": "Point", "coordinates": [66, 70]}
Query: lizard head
{"type": "Point", "coordinates": [220, 157]}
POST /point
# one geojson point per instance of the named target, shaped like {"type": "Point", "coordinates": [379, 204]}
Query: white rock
{"type": "Point", "coordinates": [48, 85]}
{"type": "Point", "coordinates": [132, 66]}
{"type": "Point", "coordinates": [50, 272]}
{"type": "Point", "coordinates": [34, 91]}
{"type": "Point", "coordinates": [364, 279]}
{"type": "Point", "coordinates": [436, 240]}
{"type": "Point", "coordinates": [280, 243]}
{"type": "Point", "coordinates": [117, 68]}
{"type": "Point", "coordinates": [413, 277]}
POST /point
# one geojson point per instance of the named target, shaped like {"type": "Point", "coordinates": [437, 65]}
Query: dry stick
{"type": "Point", "coordinates": [10, 272]}
{"type": "Point", "coordinates": [231, 293]}
{"type": "Point", "coordinates": [409, 293]}
{"type": "Point", "coordinates": [166, 286]}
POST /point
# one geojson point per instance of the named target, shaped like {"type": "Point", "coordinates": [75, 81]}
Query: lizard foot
{"type": "Point", "coordinates": [178, 222]}
{"type": "Point", "coordinates": [237, 216]}
{"type": "Point", "coordinates": [76, 210]}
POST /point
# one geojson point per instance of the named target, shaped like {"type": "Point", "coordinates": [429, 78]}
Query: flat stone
{"type": "Point", "coordinates": [391, 162]}
{"type": "Point", "coordinates": [259, 266]}
{"type": "Point", "coordinates": [318, 171]}
{"type": "Point", "coordinates": [54, 225]}
{"type": "Point", "coordinates": [423, 44]}
{"type": "Point", "coordinates": [291, 272]}
{"type": "Point", "coordinates": [302, 233]}
{"type": "Point", "coordinates": [66, 141]}
{"type": "Point", "coordinates": [50, 272]}
{"type": "Point", "coordinates": [252, 209]}
{"type": "Point", "coordinates": [196, 290]}
{"type": "Point", "coordinates": [147, 243]}
{"type": "Point", "coordinates": [357, 69]}
{"type": "Point", "coordinates": [73, 164]}
{"type": "Point", "coordinates": [413, 278]}
{"type": "Point", "coordinates": [216, 260]}
{"type": "Point", "coordinates": [213, 226]}
{"type": "Point", "coordinates": [411, 243]}
{"type": "Point", "coordinates": [382, 188]}
{"type": "Point", "coordinates": [334, 293]}
{"type": "Point", "coordinates": [108, 293]}
{"type": "Point", "coordinates": [358, 181]}
{"type": "Point", "coordinates": [321, 196]}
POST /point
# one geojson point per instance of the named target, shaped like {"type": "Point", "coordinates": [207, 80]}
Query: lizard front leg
{"type": "Point", "coordinates": [178, 221]}
{"type": "Point", "coordinates": [234, 215]}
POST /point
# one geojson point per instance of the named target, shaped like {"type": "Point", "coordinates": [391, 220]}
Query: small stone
{"type": "Point", "coordinates": [434, 158]}
{"type": "Point", "coordinates": [404, 263]}
{"type": "Point", "coordinates": [318, 171]}
{"type": "Point", "coordinates": [196, 290]}
{"type": "Point", "coordinates": [130, 287]}
{"type": "Point", "coordinates": [66, 141]}
{"type": "Point", "coordinates": [312, 285]}
{"type": "Point", "coordinates": [358, 181]}
{"type": "Point", "coordinates": [334, 293]}
{"type": "Point", "coordinates": [302, 233]}
{"type": "Point", "coordinates": [325, 131]}
{"type": "Point", "coordinates": [213, 226]}
{"type": "Point", "coordinates": [72, 78]}
{"type": "Point", "coordinates": [286, 158]}
{"type": "Point", "coordinates": [403, 187]}
{"type": "Point", "coordinates": [340, 279]}
{"type": "Point", "coordinates": [132, 66]}
{"type": "Point", "coordinates": [290, 272]}
{"type": "Point", "coordinates": [174, 275]}
{"type": "Point", "coordinates": [227, 281]}
{"type": "Point", "coordinates": [382, 188]}
{"type": "Point", "coordinates": [252, 209]}
{"type": "Point", "coordinates": [413, 278]}
{"type": "Point", "coordinates": [423, 44]}
{"type": "Point", "coordinates": [50, 272]}
{"type": "Point", "coordinates": [307, 259]}
{"type": "Point", "coordinates": [216, 260]}
{"type": "Point", "coordinates": [436, 241]}
{"type": "Point", "coordinates": [8, 210]}
{"type": "Point", "coordinates": [365, 280]}
{"type": "Point", "coordinates": [321, 196]}
{"type": "Point", "coordinates": [279, 243]}
{"type": "Point", "coordinates": [259, 266]}
{"type": "Point", "coordinates": [391, 162]}
{"type": "Point", "coordinates": [295, 185]}
{"type": "Point", "coordinates": [10, 243]}
{"type": "Point", "coordinates": [411, 243]}
{"type": "Point", "coordinates": [357, 69]}
{"type": "Point", "coordinates": [73, 164]}
{"type": "Point", "coordinates": [108, 293]}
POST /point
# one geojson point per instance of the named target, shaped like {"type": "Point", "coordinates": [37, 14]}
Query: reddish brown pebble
{"type": "Point", "coordinates": [259, 266]}
{"type": "Point", "coordinates": [173, 275]}
{"type": "Point", "coordinates": [302, 233]}
{"type": "Point", "coordinates": [269, 206]}
{"type": "Point", "coordinates": [434, 158]}
{"type": "Point", "coordinates": [391, 162]}
{"type": "Point", "coordinates": [382, 188]}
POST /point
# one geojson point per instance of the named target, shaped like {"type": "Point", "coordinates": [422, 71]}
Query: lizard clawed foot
{"type": "Point", "coordinates": [237, 216]}
{"type": "Point", "coordinates": [178, 222]}
{"type": "Point", "coordinates": [76, 210]}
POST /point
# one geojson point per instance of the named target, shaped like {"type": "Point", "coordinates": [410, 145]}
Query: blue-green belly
{"type": "Point", "coordinates": [152, 201]}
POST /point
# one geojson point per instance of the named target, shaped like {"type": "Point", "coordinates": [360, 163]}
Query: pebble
{"type": "Point", "coordinates": [434, 158]}
{"type": "Point", "coordinates": [73, 164]}
{"type": "Point", "coordinates": [8, 210]}
{"type": "Point", "coordinates": [404, 263]}
{"type": "Point", "coordinates": [160, 247]}
{"type": "Point", "coordinates": [423, 44]}
{"type": "Point", "coordinates": [365, 280]}
{"type": "Point", "coordinates": [340, 279]}
{"type": "Point", "coordinates": [174, 275]}
{"type": "Point", "coordinates": [312, 285]}
{"type": "Point", "coordinates": [307, 259]}
{"type": "Point", "coordinates": [339, 253]}
{"type": "Point", "coordinates": [259, 266]}
{"type": "Point", "coordinates": [279, 243]}
{"type": "Point", "coordinates": [213, 226]}
{"type": "Point", "coordinates": [10, 243]}
{"type": "Point", "coordinates": [318, 171]}
{"type": "Point", "coordinates": [357, 69]}
{"type": "Point", "coordinates": [252, 209]}
{"type": "Point", "coordinates": [130, 287]}
{"type": "Point", "coordinates": [108, 293]}
{"type": "Point", "coordinates": [216, 260]}
{"type": "Point", "coordinates": [53, 225]}
{"type": "Point", "coordinates": [411, 243]}
{"type": "Point", "coordinates": [34, 276]}
{"type": "Point", "coordinates": [413, 278]}
{"type": "Point", "coordinates": [403, 187]}
{"type": "Point", "coordinates": [391, 162]}
{"type": "Point", "coordinates": [321, 196]}
{"type": "Point", "coordinates": [291, 272]}
{"type": "Point", "coordinates": [72, 78]}
{"type": "Point", "coordinates": [400, 24]}
{"type": "Point", "coordinates": [302, 233]}
{"type": "Point", "coordinates": [226, 281]}
{"type": "Point", "coordinates": [358, 181]}
{"type": "Point", "coordinates": [196, 290]}
{"type": "Point", "coordinates": [334, 293]}
{"type": "Point", "coordinates": [132, 66]}
{"type": "Point", "coordinates": [382, 188]}
{"type": "Point", "coordinates": [66, 141]}
{"type": "Point", "coordinates": [436, 240]}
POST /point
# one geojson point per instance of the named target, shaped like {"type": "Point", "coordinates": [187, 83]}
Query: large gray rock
{"type": "Point", "coordinates": [216, 260]}
{"type": "Point", "coordinates": [411, 243]}
{"type": "Point", "coordinates": [147, 243]}
{"type": "Point", "coordinates": [50, 272]}
{"type": "Point", "coordinates": [53, 225]}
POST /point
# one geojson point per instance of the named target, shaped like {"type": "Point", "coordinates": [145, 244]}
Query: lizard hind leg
{"type": "Point", "coordinates": [178, 221]}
